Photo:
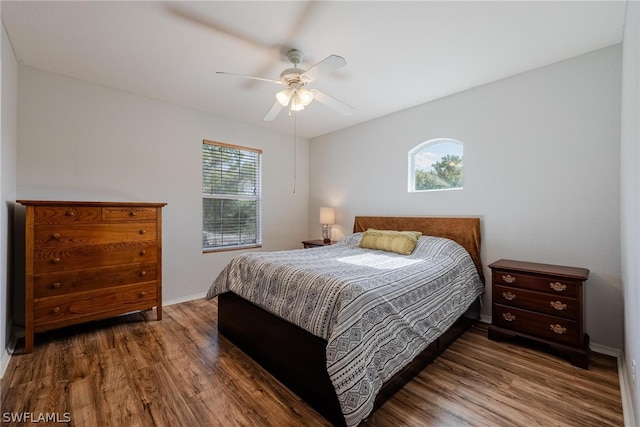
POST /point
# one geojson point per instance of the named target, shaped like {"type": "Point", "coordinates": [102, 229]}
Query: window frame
{"type": "Point", "coordinates": [240, 197]}
{"type": "Point", "coordinates": [411, 182]}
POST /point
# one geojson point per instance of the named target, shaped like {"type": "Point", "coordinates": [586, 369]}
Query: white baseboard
{"type": "Point", "coordinates": [625, 392]}
{"type": "Point", "coordinates": [184, 299]}
{"type": "Point", "coordinates": [607, 351]}
{"type": "Point", "coordinates": [5, 356]}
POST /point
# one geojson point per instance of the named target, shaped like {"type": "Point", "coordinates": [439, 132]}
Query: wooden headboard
{"type": "Point", "coordinates": [465, 231]}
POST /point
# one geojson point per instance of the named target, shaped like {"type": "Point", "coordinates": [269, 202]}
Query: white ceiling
{"type": "Point", "coordinates": [399, 54]}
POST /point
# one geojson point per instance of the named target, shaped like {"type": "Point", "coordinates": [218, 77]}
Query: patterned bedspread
{"type": "Point", "coordinates": [377, 310]}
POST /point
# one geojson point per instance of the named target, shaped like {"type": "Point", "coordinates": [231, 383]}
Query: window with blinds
{"type": "Point", "coordinates": [231, 197]}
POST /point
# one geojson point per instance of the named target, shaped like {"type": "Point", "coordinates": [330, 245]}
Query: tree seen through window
{"type": "Point", "coordinates": [436, 165]}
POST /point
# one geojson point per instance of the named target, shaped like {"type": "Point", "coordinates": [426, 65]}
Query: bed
{"type": "Point", "coordinates": [345, 327]}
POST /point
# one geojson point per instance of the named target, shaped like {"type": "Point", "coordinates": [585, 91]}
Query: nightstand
{"type": "Point", "coordinates": [315, 243]}
{"type": "Point", "coordinates": [540, 302]}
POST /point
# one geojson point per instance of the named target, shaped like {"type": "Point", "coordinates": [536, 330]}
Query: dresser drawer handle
{"type": "Point", "coordinates": [132, 213]}
{"type": "Point", "coordinates": [56, 285]}
{"type": "Point", "coordinates": [558, 329]}
{"type": "Point", "coordinates": [71, 212]}
{"type": "Point", "coordinates": [509, 296]}
{"type": "Point", "coordinates": [56, 235]}
{"type": "Point", "coordinates": [56, 310]}
{"type": "Point", "coordinates": [56, 260]}
{"type": "Point", "coordinates": [143, 231]}
{"type": "Point", "coordinates": [143, 252]}
{"type": "Point", "coordinates": [508, 317]}
{"type": "Point", "coordinates": [558, 305]}
{"type": "Point", "coordinates": [557, 286]}
{"type": "Point", "coordinates": [509, 278]}
{"type": "Point", "coordinates": [143, 273]}
{"type": "Point", "coordinates": [143, 293]}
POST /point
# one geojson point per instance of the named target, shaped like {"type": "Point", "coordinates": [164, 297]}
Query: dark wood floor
{"type": "Point", "coordinates": [180, 372]}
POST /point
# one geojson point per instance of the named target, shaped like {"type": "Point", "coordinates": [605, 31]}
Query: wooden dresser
{"type": "Point", "coordinates": [541, 302]}
{"type": "Point", "coordinates": [89, 260]}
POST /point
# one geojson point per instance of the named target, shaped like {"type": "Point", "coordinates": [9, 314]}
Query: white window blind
{"type": "Point", "coordinates": [231, 196]}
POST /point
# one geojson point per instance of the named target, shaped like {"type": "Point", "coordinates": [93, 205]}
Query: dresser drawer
{"type": "Point", "coordinates": [91, 234]}
{"type": "Point", "coordinates": [50, 260]}
{"type": "Point", "coordinates": [552, 328]}
{"type": "Point", "coordinates": [47, 285]}
{"type": "Point", "coordinates": [552, 285]}
{"type": "Point", "coordinates": [93, 305]}
{"type": "Point", "coordinates": [123, 213]}
{"type": "Point", "coordinates": [536, 301]}
{"type": "Point", "coordinates": [66, 215]}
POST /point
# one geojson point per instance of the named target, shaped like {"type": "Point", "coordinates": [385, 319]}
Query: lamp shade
{"type": "Point", "coordinates": [327, 215]}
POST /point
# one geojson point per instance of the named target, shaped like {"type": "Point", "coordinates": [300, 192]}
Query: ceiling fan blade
{"type": "Point", "coordinates": [328, 64]}
{"type": "Point", "coordinates": [332, 102]}
{"type": "Point", "coordinates": [211, 24]}
{"type": "Point", "coordinates": [273, 112]}
{"type": "Point", "coordinates": [278, 82]}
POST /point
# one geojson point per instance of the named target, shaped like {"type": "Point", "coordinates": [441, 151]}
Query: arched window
{"type": "Point", "coordinates": [436, 165]}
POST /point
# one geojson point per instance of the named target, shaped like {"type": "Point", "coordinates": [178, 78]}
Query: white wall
{"type": "Point", "coordinates": [8, 148]}
{"type": "Point", "coordinates": [81, 141]}
{"type": "Point", "coordinates": [630, 195]}
{"type": "Point", "coordinates": [541, 162]}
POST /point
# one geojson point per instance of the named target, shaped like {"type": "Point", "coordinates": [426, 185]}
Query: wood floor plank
{"type": "Point", "coordinates": [136, 371]}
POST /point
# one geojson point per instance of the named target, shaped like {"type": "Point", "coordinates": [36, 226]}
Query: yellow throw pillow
{"type": "Point", "coordinates": [402, 242]}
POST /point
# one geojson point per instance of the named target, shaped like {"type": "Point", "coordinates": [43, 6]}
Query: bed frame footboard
{"type": "Point", "coordinates": [298, 360]}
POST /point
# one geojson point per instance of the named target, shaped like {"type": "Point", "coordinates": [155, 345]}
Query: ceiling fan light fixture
{"type": "Point", "coordinates": [305, 96]}
{"type": "Point", "coordinates": [296, 102]}
{"type": "Point", "coordinates": [284, 97]}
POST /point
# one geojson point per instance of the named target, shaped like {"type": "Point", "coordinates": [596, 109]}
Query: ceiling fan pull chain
{"type": "Point", "coordinates": [295, 149]}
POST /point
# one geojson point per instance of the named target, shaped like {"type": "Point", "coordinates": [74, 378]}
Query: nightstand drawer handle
{"type": "Point", "coordinates": [56, 310]}
{"type": "Point", "coordinates": [143, 231]}
{"type": "Point", "coordinates": [508, 317]}
{"type": "Point", "coordinates": [143, 273]}
{"type": "Point", "coordinates": [557, 286]}
{"type": "Point", "coordinates": [558, 329]}
{"type": "Point", "coordinates": [132, 213]}
{"type": "Point", "coordinates": [143, 252]}
{"type": "Point", "coordinates": [143, 293]}
{"type": "Point", "coordinates": [56, 260]}
{"type": "Point", "coordinates": [509, 278]}
{"type": "Point", "coordinates": [558, 305]}
{"type": "Point", "coordinates": [509, 296]}
{"type": "Point", "coordinates": [70, 212]}
{"type": "Point", "coordinates": [56, 235]}
{"type": "Point", "coordinates": [56, 285]}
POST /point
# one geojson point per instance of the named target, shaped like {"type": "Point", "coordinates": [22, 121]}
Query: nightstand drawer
{"type": "Point", "coordinates": [538, 325]}
{"type": "Point", "coordinates": [548, 284]}
{"type": "Point", "coordinates": [536, 301]}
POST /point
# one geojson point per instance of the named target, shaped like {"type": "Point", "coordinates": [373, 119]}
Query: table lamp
{"type": "Point", "coordinates": [327, 217]}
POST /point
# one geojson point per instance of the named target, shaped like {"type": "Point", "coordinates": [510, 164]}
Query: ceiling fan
{"type": "Point", "coordinates": [296, 95]}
